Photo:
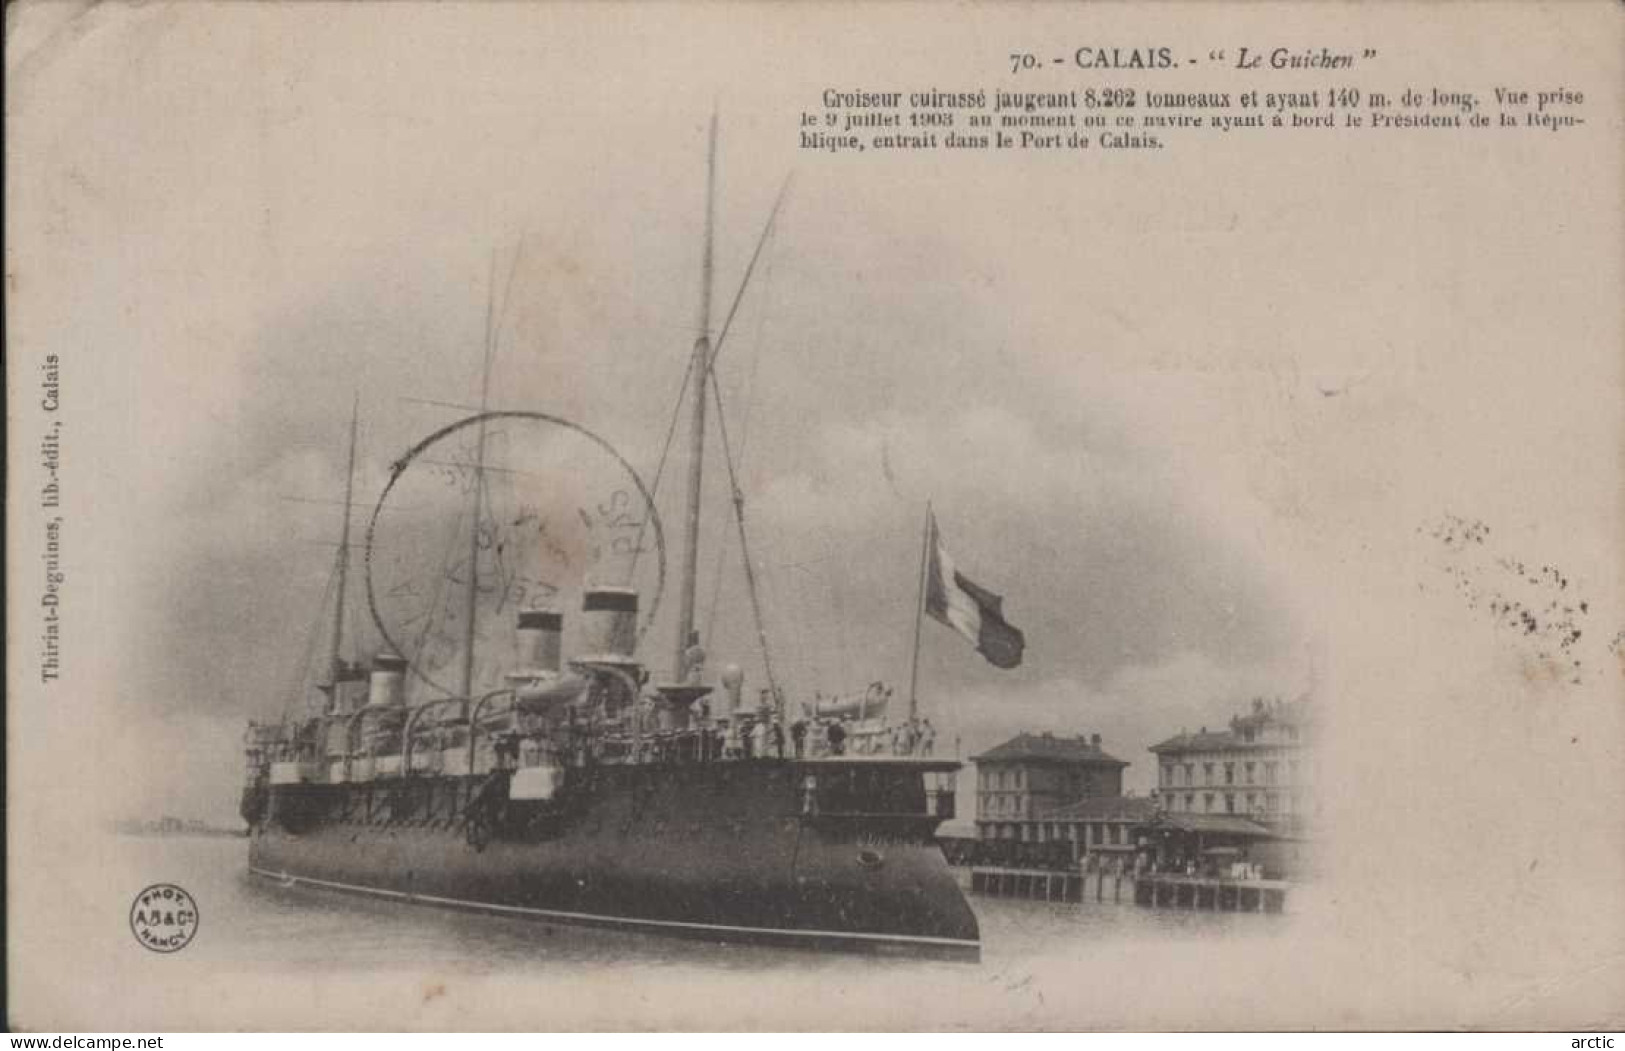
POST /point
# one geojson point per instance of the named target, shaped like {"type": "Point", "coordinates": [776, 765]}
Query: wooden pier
{"type": "Point", "coordinates": [1152, 891]}
{"type": "Point", "coordinates": [1048, 885]}
{"type": "Point", "coordinates": [1214, 895]}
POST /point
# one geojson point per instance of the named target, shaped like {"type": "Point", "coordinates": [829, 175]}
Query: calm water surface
{"type": "Point", "coordinates": [249, 923]}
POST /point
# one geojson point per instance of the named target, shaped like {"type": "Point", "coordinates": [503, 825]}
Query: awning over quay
{"type": "Point", "coordinates": [1211, 824]}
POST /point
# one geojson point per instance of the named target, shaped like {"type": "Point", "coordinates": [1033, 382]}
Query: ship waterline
{"type": "Point", "coordinates": [762, 851]}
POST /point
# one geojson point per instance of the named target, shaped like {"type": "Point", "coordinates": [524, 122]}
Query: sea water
{"type": "Point", "coordinates": [267, 955]}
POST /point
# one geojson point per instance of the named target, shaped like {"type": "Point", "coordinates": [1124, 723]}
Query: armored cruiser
{"type": "Point", "coordinates": [585, 790]}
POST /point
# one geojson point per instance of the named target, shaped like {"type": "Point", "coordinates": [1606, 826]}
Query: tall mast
{"type": "Point", "coordinates": [477, 493]}
{"type": "Point", "coordinates": [919, 613]}
{"type": "Point", "coordinates": [336, 645]}
{"type": "Point", "coordinates": [700, 372]}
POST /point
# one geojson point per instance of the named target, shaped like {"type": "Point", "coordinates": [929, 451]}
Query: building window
{"type": "Point", "coordinates": [1167, 774]}
{"type": "Point", "coordinates": [1249, 773]}
{"type": "Point", "coordinates": [1230, 773]}
{"type": "Point", "coordinates": [1270, 771]}
{"type": "Point", "coordinates": [1190, 801]}
{"type": "Point", "coordinates": [1229, 803]}
{"type": "Point", "coordinates": [1190, 773]}
{"type": "Point", "coordinates": [1207, 773]}
{"type": "Point", "coordinates": [1207, 802]}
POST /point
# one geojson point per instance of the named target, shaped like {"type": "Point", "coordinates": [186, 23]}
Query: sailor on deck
{"type": "Point", "coordinates": [837, 738]}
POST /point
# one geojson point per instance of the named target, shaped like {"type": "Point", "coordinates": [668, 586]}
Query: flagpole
{"type": "Point", "coordinates": [919, 618]}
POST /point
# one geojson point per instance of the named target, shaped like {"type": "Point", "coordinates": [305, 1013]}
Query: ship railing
{"type": "Point", "coordinates": [408, 763]}
{"type": "Point", "coordinates": [474, 714]}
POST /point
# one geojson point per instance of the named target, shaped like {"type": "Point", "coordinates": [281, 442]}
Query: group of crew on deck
{"type": "Point", "coordinates": [609, 718]}
{"type": "Point", "coordinates": [740, 737]}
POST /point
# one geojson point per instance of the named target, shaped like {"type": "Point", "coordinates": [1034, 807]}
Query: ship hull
{"type": "Point", "coordinates": [722, 852]}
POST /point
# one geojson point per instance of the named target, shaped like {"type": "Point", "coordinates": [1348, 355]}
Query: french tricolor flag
{"type": "Point", "coordinates": [971, 610]}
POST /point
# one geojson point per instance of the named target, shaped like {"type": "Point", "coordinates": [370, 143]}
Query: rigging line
{"type": "Point", "coordinates": [493, 326]}
{"type": "Point", "coordinates": [744, 543]}
{"type": "Point", "coordinates": [660, 468]}
{"type": "Point", "coordinates": [303, 675]}
{"type": "Point", "coordinates": [436, 610]}
{"type": "Point", "coordinates": [725, 547]}
{"type": "Point", "coordinates": [762, 240]}
{"type": "Point", "coordinates": [770, 236]}
{"type": "Point", "coordinates": [744, 284]}
{"type": "Point", "coordinates": [722, 335]}
{"type": "Point", "coordinates": [756, 353]}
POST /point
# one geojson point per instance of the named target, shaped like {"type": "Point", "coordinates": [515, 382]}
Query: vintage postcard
{"type": "Point", "coordinates": [815, 517]}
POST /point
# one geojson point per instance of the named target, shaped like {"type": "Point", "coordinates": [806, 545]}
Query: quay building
{"type": "Point", "coordinates": [1245, 793]}
{"type": "Point", "coordinates": [1257, 769]}
{"type": "Point", "coordinates": [1241, 794]}
{"type": "Point", "coordinates": [1063, 792]}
